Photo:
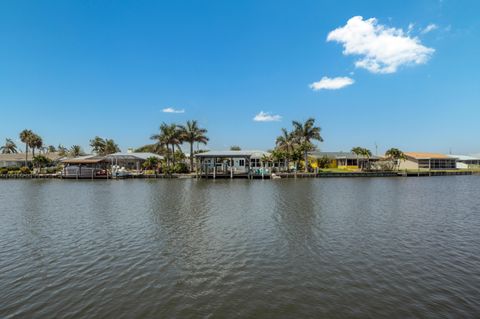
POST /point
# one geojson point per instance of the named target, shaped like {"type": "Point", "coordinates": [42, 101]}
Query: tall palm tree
{"type": "Point", "coordinates": [192, 133]}
{"type": "Point", "coordinates": [306, 133]}
{"type": "Point", "coordinates": [25, 136]}
{"type": "Point", "coordinates": [35, 142]}
{"type": "Point", "coordinates": [286, 144]}
{"type": "Point", "coordinates": [9, 147]}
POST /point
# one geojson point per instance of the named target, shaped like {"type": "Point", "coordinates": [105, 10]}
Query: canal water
{"type": "Point", "coordinates": [331, 248]}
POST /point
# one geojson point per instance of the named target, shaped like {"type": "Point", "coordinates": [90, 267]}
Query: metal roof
{"type": "Point", "coordinates": [254, 154]}
{"type": "Point", "coordinates": [465, 157]}
{"type": "Point", "coordinates": [133, 156]}
{"type": "Point", "coordinates": [340, 155]}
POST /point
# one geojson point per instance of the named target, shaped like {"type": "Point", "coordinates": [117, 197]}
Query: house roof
{"type": "Point", "coordinates": [20, 157]}
{"type": "Point", "coordinates": [133, 156]}
{"type": "Point", "coordinates": [417, 155]}
{"type": "Point", "coordinates": [340, 155]}
{"type": "Point", "coordinates": [254, 154]}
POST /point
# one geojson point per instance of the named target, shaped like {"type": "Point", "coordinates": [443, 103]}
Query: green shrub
{"type": "Point", "coordinates": [13, 172]}
{"type": "Point", "coordinates": [25, 170]}
{"type": "Point", "coordinates": [180, 168]}
{"type": "Point", "coordinates": [3, 170]}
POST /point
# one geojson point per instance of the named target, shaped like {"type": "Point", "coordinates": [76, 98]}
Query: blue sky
{"type": "Point", "coordinates": [71, 70]}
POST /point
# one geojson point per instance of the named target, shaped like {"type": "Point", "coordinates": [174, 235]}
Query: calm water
{"type": "Point", "coordinates": [336, 248]}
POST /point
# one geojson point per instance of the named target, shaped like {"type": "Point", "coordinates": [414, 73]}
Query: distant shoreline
{"type": "Point", "coordinates": [279, 175]}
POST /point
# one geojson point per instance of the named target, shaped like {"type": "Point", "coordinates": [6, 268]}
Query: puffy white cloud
{"type": "Point", "coordinates": [266, 117]}
{"type": "Point", "coordinates": [429, 28]}
{"type": "Point", "coordinates": [172, 110]}
{"type": "Point", "coordinates": [382, 49]}
{"type": "Point", "coordinates": [327, 83]}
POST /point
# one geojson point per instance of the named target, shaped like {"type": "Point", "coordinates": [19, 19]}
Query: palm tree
{"type": "Point", "coordinates": [305, 133]}
{"type": "Point", "coordinates": [110, 147]}
{"type": "Point", "coordinates": [98, 145]}
{"type": "Point", "coordinates": [35, 142]}
{"type": "Point", "coordinates": [25, 136]}
{"type": "Point", "coordinates": [286, 144]}
{"type": "Point", "coordinates": [395, 155]}
{"type": "Point", "coordinates": [192, 133]}
{"type": "Point", "coordinates": [364, 152]}
{"type": "Point", "coordinates": [9, 147]}
{"type": "Point", "coordinates": [151, 163]}
{"type": "Point", "coordinates": [168, 135]}
{"type": "Point", "coordinates": [62, 150]}
{"type": "Point", "coordinates": [76, 150]}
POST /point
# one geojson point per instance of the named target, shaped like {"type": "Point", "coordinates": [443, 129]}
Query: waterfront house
{"type": "Point", "coordinates": [427, 161]}
{"type": "Point", "coordinates": [131, 160]}
{"type": "Point", "coordinates": [345, 160]}
{"type": "Point", "coordinates": [18, 159]}
{"type": "Point", "coordinates": [88, 166]}
{"type": "Point", "coordinates": [465, 162]}
{"type": "Point", "coordinates": [234, 164]}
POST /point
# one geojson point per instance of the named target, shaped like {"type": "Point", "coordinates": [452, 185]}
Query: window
{"type": "Point", "coordinates": [241, 162]}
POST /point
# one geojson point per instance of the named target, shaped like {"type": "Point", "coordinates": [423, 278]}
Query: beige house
{"type": "Point", "coordinates": [427, 161]}
{"type": "Point", "coordinates": [18, 159]}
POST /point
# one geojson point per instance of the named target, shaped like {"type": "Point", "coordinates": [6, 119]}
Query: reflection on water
{"type": "Point", "coordinates": [392, 247]}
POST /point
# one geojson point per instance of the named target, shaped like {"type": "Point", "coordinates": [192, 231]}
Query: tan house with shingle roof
{"type": "Point", "coordinates": [427, 161]}
{"type": "Point", "coordinates": [18, 159]}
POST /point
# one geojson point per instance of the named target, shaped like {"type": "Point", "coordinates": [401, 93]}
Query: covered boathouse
{"type": "Point", "coordinates": [233, 164]}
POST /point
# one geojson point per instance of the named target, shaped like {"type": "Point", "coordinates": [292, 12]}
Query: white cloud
{"type": "Point", "coordinates": [266, 117]}
{"type": "Point", "coordinates": [172, 110]}
{"type": "Point", "coordinates": [327, 83]}
{"type": "Point", "coordinates": [429, 28]}
{"type": "Point", "coordinates": [382, 49]}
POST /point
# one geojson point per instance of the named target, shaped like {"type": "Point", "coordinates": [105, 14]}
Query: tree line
{"type": "Point", "coordinates": [292, 145]}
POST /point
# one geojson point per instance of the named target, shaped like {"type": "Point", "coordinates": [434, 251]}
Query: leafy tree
{"type": "Point", "coordinates": [10, 147]}
{"type": "Point", "coordinates": [51, 149]}
{"type": "Point", "coordinates": [235, 148]}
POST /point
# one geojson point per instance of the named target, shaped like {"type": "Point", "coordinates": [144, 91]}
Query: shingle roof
{"type": "Point", "coordinates": [19, 157]}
